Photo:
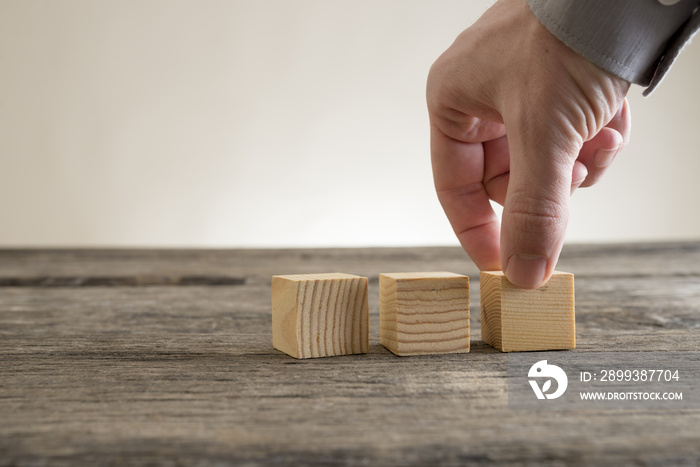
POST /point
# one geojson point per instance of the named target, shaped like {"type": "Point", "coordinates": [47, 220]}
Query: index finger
{"type": "Point", "coordinates": [458, 174]}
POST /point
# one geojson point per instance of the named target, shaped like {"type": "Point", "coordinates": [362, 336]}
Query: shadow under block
{"type": "Point", "coordinates": [424, 313]}
{"type": "Point", "coordinates": [320, 315]}
{"type": "Point", "coordinates": [516, 320]}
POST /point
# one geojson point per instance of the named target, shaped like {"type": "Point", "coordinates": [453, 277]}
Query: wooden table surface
{"type": "Point", "coordinates": [165, 357]}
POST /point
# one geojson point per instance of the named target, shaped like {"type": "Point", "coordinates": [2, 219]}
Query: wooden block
{"type": "Point", "coordinates": [516, 320]}
{"type": "Point", "coordinates": [423, 313]}
{"type": "Point", "coordinates": [320, 315]}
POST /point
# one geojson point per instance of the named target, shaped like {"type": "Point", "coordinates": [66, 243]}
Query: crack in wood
{"type": "Point", "coordinates": [120, 281]}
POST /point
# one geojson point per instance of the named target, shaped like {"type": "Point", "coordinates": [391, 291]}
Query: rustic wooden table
{"type": "Point", "coordinates": [165, 357]}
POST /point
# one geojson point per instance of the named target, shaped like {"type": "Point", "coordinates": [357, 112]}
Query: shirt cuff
{"type": "Point", "coordinates": [629, 38]}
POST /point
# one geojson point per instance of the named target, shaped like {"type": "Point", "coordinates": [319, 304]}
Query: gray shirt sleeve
{"type": "Point", "coordinates": [636, 40]}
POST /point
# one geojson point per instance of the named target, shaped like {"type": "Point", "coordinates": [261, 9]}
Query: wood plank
{"type": "Point", "coordinates": [671, 259]}
{"type": "Point", "coordinates": [174, 374]}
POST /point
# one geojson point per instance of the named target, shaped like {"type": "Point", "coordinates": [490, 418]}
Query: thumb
{"type": "Point", "coordinates": [536, 209]}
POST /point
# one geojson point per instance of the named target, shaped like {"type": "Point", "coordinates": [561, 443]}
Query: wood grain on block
{"type": "Point", "coordinates": [320, 315]}
{"type": "Point", "coordinates": [424, 313]}
{"type": "Point", "coordinates": [515, 319]}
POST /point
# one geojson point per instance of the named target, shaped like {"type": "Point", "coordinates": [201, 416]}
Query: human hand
{"type": "Point", "coordinates": [519, 118]}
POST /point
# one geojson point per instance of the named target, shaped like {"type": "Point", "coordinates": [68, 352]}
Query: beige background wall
{"type": "Point", "coordinates": [272, 123]}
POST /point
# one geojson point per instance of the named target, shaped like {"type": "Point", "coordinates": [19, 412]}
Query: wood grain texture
{"type": "Point", "coordinates": [517, 320]}
{"type": "Point", "coordinates": [187, 375]}
{"type": "Point", "coordinates": [320, 315]}
{"type": "Point", "coordinates": [424, 313]}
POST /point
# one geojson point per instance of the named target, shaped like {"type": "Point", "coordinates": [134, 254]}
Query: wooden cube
{"type": "Point", "coordinates": [516, 320]}
{"type": "Point", "coordinates": [423, 313]}
{"type": "Point", "coordinates": [320, 315]}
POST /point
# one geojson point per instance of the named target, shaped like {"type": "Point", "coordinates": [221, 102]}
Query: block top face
{"type": "Point", "coordinates": [556, 275]}
{"type": "Point", "coordinates": [421, 275]}
{"type": "Point", "coordinates": [318, 277]}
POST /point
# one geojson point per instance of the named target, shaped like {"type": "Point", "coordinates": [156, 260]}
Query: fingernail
{"type": "Point", "coordinates": [582, 174]}
{"type": "Point", "coordinates": [526, 271]}
{"type": "Point", "coordinates": [604, 157]}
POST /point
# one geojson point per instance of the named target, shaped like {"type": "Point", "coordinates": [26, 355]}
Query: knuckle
{"type": "Point", "coordinates": [537, 215]}
{"type": "Point", "coordinates": [460, 126]}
